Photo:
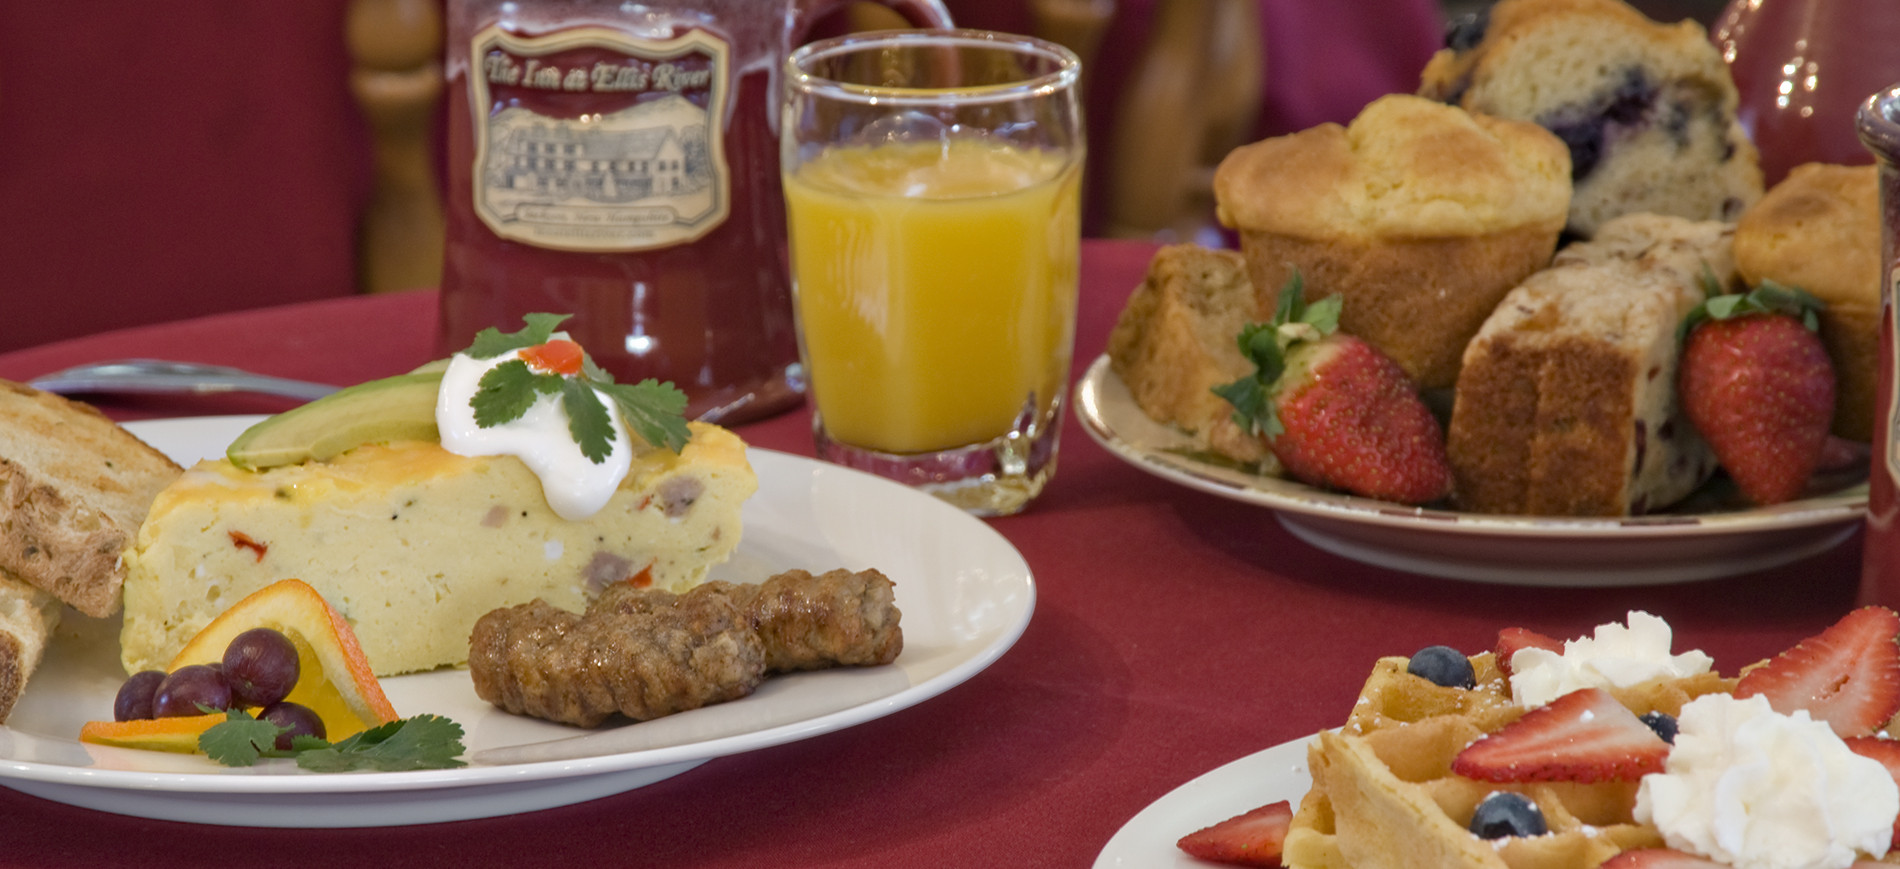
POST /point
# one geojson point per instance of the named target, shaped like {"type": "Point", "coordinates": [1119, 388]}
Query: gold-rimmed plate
{"type": "Point", "coordinates": [1694, 544]}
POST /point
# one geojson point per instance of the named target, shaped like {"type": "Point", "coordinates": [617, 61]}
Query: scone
{"type": "Point", "coordinates": [1567, 403]}
{"type": "Point", "coordinates": [74, 487]}
{"type": "Point", "coordinates": [1176, 340]}
{"type": "Point", "coordinates": [413, 544]}
{"type": "Point", "coordinates": [1819, 229]}
{"type": "Point", "coordinates": [1647, 109]}
{"type": "Point", "coordinates": [1421, 216]}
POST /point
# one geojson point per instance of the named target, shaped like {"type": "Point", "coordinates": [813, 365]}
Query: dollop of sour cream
{"type": "Point", "coordinates": [1615, 657]}
{"type": "Point", "coordinates": [1750, 787]}
{"type": "Point", "coordinates": [574, 485]}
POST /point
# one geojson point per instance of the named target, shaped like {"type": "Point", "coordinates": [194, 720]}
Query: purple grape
{"type": "Point", "coordinates": [134, 702]}
{"type": "Point", "coordinates": [296, 716]}
{"type": "Point", "coordinates": [261, 665]}
{"type": "Point", "coordinates": [189, 687]}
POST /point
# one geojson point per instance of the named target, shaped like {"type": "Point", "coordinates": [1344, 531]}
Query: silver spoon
{"type": "Point", "coordinates": [123, 376]}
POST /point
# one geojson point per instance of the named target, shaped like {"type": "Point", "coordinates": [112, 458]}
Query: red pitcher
{"type": "Point", "coordinates": [619, 162]}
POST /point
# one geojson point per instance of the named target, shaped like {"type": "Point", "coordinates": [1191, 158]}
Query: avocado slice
{"type": "Point", "coordinates": [390, 409]}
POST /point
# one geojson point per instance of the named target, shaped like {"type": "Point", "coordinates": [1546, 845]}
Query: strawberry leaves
{"type": "Point", "coordinates": [1266, 345]}
{"type": "Point", "coordinates": [1768, 298]}
{"type": "Point", "coordinates": [654, 411]}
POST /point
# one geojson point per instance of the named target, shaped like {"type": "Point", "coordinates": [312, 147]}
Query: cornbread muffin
{"type": "Point", "coordinates": [74, 487]}
{"type": "Point", "coordinates": [1567, 403]}
{"type": "Point", "coordinates": [1647, 109]}
{"type": "Point", "coordinates": [413, 544]}
{"type": "Point", "coordinates": [1819, 229]}
{"type": "Point", "coordinates": [1384, 796]}
{"type": "Point", "coordinates": [1421, 216]}
{"type": "Point", "coordinates": [1176, 340]}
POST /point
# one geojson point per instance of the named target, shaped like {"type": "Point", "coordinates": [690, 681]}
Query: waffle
{"type": "Point", "coordinates": [1384, 795]}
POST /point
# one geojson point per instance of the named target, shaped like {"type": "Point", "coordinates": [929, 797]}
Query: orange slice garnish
{"type": "Point", "coordinates": [179, 733]}
{"type": "Point", "coordinates": [334, 678]}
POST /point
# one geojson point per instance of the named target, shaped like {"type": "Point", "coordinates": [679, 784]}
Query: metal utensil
{"type": "Point", "coordinates": [124, 376]}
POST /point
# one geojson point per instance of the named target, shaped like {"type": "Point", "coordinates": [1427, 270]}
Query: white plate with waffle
{"type": "Point", "coordinates": [965, 593]}
{"type": "Point", "coordinates": [1696, 541]}
{"type": "Point", "coordinates": [1147, 840]}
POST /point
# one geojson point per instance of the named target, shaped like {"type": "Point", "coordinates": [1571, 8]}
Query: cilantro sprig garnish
{"type": "Point", "coordinates": [655, 411]}
{"type": "Point", "coordinates": [421, 742]}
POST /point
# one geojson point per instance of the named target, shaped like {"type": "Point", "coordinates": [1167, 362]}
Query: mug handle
{"type": "Point", "coordinates": [921, 13]}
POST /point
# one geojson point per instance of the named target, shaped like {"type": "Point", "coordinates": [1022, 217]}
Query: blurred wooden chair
{"type": "Point", "coordinates": [1194, 95]}
{"type": "Point", "coordinates": [396, 74]}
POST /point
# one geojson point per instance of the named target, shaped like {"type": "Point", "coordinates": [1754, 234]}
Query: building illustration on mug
{"type": "Point", "coordinates": [643, 169]}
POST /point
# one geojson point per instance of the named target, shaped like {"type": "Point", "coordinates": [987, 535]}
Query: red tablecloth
{"type": "Point", "coordinates": [1174, 632]}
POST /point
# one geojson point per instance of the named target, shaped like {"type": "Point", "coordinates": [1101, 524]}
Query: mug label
{"type": "Point", "coordinates": [590, 139]}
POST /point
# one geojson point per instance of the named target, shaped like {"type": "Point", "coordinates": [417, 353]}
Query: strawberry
{"type": "Point", "coordinates": [1337, 412]}
{"type": "Point", "coordinates": [1887, 751]}
{"type": "Point", "coordinates": [1756, 382]}
{"type": "Point", "coordinates": [1250, 839]}
{"type": "Point", "coordinates": [1510, 640]}
{"type": "Point", "coordinates": [1847, 675]}
{"type": "Point", "coordinates": [1659, 858]}
{"type": "Point", "coordinates": [1583, 736]}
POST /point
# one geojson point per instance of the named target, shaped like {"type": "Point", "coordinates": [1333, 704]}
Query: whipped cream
{"type": "Point", "coordinates": [1616, 657]}
{"type": "Point", "coordinates": [575, 487]}
{"type": "Point", "coordinates": [1750, 787]}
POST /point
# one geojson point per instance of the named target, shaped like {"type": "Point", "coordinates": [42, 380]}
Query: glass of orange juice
{"type": "Point", "coordinates": [932, 180]}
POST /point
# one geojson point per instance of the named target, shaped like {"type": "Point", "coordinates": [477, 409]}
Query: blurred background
{"type": "Point", "coordinates": [1661, 10]}
{"type": "Point", "coordinates": [166, 161]}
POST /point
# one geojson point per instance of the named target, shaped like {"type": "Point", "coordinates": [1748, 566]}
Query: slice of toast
{"type": "Point", "coordinates": [74, 488]}
{"type": "Point", "coordinates": [27, 619]}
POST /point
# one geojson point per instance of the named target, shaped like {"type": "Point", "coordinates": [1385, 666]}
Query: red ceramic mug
{"type": "Point", "coordinates": [619, 162]}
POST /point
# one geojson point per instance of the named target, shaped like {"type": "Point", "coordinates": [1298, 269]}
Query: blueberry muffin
{"type": "Point", "coordinates": [1647, 109]}
{"type": "Point", "coordinates": [1419, 214]}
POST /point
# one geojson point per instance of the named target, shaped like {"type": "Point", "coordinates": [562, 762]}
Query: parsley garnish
{"type": "Point", "coordinates": [655, 411]}
{"type": "Point", "coordinates": [421, 742]}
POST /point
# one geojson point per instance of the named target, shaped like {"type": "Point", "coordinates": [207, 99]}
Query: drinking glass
{"type": "Point", "coordinates": [932, 180]}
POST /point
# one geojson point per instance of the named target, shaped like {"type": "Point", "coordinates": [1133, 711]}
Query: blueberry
{"type": "Point", "coordinates": [1504, 813]}
{"type": "Point", "coordinates": [1467, 30]}
{"type": "Point", "coordinates": [1663, 723]}
{"type": "Point", "coordinates": [1585, 128]}
{"type": "Point", "coordinates": [1585, 141]}
{"type": "Point", "coordinates": [1443, 665]}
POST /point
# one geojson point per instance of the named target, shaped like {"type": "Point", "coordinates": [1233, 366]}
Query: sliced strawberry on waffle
{"type": "Point", "coordinates": [1583, 736]}
{"type": "Point", "coordinates": [1847, 675]}
{"type": "Point", "coordinates": [1510, 640]}
{"type": "Point", "coordinates": [1251, 839]}
{"type": "Point", "coordinates": [1887, 751]}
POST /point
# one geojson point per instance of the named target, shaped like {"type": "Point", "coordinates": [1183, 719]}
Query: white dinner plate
{"type": "Point", "coordinates": [1147, 840]}
{"type": "Point", "coordinates": [965, 593]}
{"type": "Point", "coordinates": [1514, 550]}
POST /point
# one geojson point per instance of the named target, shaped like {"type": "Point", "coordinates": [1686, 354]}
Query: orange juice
{"type": "Point", "coordinates": [935, 288]}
